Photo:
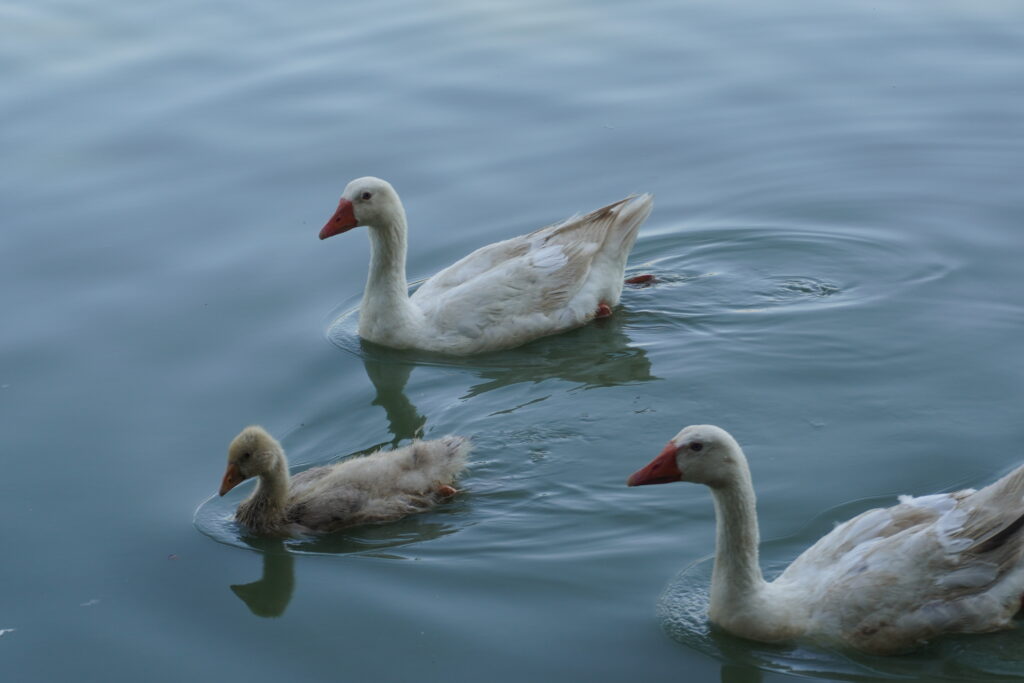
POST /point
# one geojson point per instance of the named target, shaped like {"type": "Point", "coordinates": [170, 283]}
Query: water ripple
{"type": "Point", "coordinates": [774, 269]}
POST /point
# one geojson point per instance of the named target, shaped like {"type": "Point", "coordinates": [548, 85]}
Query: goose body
{"type": "Point", "coordinates": [883, 582]}
{"type": "Point", "coordinates": [379, 487]}
{"type": "Point", "coordinates": [501, 295]}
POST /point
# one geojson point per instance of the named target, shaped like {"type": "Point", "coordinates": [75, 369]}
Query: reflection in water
{"type": "Point", "coordinates": [597, 355]}
{"type": "Point", "coordinates": [740, 673]}
{"type": "Point", "coordinates": [385, 540]}
{"type": "Point", "coordinates": [389, 379]}
{"type": "Point", "coordinates": [270, 595]}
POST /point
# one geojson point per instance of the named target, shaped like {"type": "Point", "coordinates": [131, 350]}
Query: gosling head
{"type": "Point", "coordinates": [365, 201]}
{"type": "Point", "coordinates": [251, 453]}
{"type": "Point", "coordinates": [703, 454]}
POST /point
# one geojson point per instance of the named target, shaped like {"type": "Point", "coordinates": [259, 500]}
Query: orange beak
{"type": "Point", "coordinates": [661, 470]}
{"type": "Point", "coordinates": [232, 478]}
{"type": "Point", "coordinates": [344, 219]}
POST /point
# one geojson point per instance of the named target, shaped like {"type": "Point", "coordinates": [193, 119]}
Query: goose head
{"type": "Point", "coordinates": [366, 201]}
{"type": "Point", "coordinates": [703, 454]}
{"type": "Point", "coordinates": [252, 453]}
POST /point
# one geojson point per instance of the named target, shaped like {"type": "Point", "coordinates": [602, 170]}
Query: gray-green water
{"type": "Point", "coordinates": [837, 232]}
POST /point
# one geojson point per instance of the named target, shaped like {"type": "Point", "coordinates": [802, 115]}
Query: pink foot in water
{"type": "Point", "coordinates": [603, 311]}
{"type": "Point", "coordinates": [642, 280]}
{"type": "Point", "coordinates": [446, 491]}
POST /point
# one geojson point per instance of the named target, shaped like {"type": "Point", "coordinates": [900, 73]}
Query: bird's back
{"type": "Point", "coordinates": [892, 578]}
{"type": "Point", "coordinates": [379, 487]}
{"type": "Point", "coordinates": [526, 287]}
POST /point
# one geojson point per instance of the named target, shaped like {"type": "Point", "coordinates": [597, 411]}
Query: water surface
{"type": "Point", "coordinates": [836, 235]}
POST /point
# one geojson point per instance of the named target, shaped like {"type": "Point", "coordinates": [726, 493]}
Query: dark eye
{"type": "Point", "coordinates": [245, 456]}
{"type": "Point", "coordinates": [696, 446]}
{"type": "Point", "coordinates": [366, 195]}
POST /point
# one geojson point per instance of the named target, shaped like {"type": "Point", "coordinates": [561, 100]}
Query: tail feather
{"type": "Point", "coordinates": [445, 458]}
{"type": "Point", "coordinates": [996, 512]}
{"type": "Point", "coordinates": [458, 448]}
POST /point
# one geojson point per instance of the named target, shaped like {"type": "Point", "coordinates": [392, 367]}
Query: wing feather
{"type": "Point", "coordinates": [531, 281]}
{"type": "Point", "coordinates": [894, 577]}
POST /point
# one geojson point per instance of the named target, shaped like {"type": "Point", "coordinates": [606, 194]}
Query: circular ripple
{"type": "Point", "coordinates": [770, 269]}
{"type": "Point", "coordinates": [683, 611]}
{"type": "Point", "coordinates": [796, 286]}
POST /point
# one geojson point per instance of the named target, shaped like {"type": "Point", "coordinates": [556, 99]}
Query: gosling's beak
{"type": "Point", "coordinates": [232, 478]}
{"type": "Point", "coordinates": [343, 219]}
{"type": "Point", "coordinates": [661, 470]}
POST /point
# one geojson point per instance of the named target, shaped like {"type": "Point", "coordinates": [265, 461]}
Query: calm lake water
{"type": "Point", "coordinates": [836, 232]}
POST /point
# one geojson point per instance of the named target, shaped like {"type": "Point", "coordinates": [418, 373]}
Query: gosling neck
{"type": "Point", "coordinates": [736, 578]}
{"type": "Point", "coordinates": [264, 510]}
{"type": "Point", "coordinates": [273, 486]}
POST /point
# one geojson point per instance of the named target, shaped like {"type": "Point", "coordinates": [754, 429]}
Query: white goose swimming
{"type": "Point", "coordinates": [883, 582]}
{"type": "Point", "coordinates": [379, 487]}
{"type": "Point", "coordinates": [498, 297]}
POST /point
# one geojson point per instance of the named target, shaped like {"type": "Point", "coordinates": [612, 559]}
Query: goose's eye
{"type": "Point", "coordinates": [696, 446]}
{"type": "Point", "coordinates": [245, 456]}
{"type": "Point", "coordinates": [365, 196]}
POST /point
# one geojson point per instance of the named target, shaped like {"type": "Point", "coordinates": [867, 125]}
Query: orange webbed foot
{"type": "Point", "coordinates": [641, 280]}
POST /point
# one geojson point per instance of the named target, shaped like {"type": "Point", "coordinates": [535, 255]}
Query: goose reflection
{"type": "Point", "coordinates": [739, 660]}
{"type": "Point", "coordinates": [600, 354]}
{"type": "Point", "coordinates": [740, 673]}
{"type": "Point", "coordinates": [385, 541]}
{"type": "Point", "coordinates": [389, 379]}
{"type": "Point", "coordinates": [270, 595]}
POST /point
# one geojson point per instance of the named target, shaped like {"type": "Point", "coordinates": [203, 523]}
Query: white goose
{"type": "Point", "coordinates": [883, 582]}
{"type": "Point", "coordinates": [498, 297]}
{"type": "Point", "coordinates": [379, 487]}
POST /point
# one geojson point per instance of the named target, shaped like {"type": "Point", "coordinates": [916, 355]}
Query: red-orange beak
{"type": "Point", "coordinates": [661, 470]}
{"type": "Point", "coordinates": [232, 478]}
{"type": "Point", "coordinates": [343, 219]}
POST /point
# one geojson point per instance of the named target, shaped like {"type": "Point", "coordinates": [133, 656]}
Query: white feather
{"type": "Point", "coordinates": [500, 296]}
{"type": "Point", "coordinates": [884, 582]}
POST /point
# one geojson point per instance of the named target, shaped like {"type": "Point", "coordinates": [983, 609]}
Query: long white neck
{"type": "Point", "coordinates": [736, 580]}
{"type": "Point", "coordinates": [386, 307]}
{"type": "Point", "coordinates": [387, 257]}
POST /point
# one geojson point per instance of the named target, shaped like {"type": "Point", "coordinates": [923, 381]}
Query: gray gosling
{"type": "Point", "coordinates": [380, 487]}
